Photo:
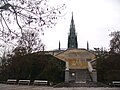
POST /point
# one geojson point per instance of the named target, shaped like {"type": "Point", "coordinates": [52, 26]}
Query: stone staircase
{"type": "Point", "coordinates": [82, 79]}
{"type": "Point", "coordinates": [81, 75]}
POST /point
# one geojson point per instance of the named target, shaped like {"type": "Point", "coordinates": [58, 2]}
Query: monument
{"type": "Point", "coordinates": [76, 58]}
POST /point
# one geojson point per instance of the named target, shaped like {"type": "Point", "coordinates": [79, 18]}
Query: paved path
{"type": "Point", "coordinates": [25, 87]}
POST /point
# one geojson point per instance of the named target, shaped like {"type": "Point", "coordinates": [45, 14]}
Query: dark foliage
{"type": "Point", "coordinates": [108, 68]}
{"type": "Point", "coordinates": [35, 66]}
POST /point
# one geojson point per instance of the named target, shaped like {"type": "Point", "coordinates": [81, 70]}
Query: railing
{"type": "Point", "coordinates": [115, 83]}
{"type": "Point", "coordinates": [90, 68]}
{"type": "Point", "coordinates": [27, 82]}
{"type": "Point", "coordinates": [24, 82]}
{"type": "Point", "coordinates": [92, 71]}
{"type": "Point", "coordinates": [40, 82]}
{"type": "Point", "coordinates": [11, 81]}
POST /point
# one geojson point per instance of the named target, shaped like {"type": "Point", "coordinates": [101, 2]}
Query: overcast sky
{"type": "Point", "coordinates": [94, 20]}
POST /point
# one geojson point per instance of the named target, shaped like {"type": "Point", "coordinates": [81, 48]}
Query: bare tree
{"type": "Point", "coordinates": [115, 42]}
{"type": "Point", "coordinates": [30, 41]}
{"type": "Point", "coordinates": [16, 16]}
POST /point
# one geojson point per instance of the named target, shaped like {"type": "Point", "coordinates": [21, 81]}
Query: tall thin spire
{"type": "Point", "coordinates": [72, 20]}
{"type": "Point", "coordinates": [72, 37]}
{"type": "Point", "coordinates": [87, 45]}
{"type": "Point", "coordinates": [59, 44]}
{"type": "Point", "coordinates": [72, 25]}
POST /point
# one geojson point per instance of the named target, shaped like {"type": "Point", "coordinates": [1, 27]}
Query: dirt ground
{"type": "Point", "coordinates": [25, 87]}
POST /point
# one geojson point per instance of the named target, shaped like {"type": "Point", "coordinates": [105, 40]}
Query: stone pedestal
{"type": "Point", "coordinates": [67, 72]}
{"type": "Point", "coordinates": [94, 76]}
{"type": "Point", "coordinates": [66, 76]}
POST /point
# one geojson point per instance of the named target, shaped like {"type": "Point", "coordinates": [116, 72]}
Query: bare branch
{"type": "Point", "coordinates": [34, 15]}
{"type": "Point", "coordinates": [6, 23]}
